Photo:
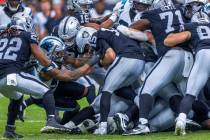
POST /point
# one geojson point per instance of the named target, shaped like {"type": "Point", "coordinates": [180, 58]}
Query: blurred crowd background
{"type": "Point", "coordinates": [48, 13]}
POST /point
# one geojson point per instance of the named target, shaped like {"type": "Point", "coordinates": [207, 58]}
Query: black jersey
{"type": "Point", "coordinates": [83, 17]}
{"type": "Point", "coordinates": [200, 35]}
{"type": "Point", "coordinates": [163, 22]}
{"type": "Point", "coordinates": [122, 45]}
{"type": "Point", "coordinates": [15, 51]}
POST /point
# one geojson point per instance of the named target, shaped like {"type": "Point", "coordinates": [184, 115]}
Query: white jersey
{"type": "Point", "coordinates": [94, 14]}
{"type": "Point", "coordinates": [6, 19]}
{"type": "Point", "coordinates": [125, 17]}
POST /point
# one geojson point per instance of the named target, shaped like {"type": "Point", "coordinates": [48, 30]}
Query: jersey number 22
{"type": "Point", "coordinates": [9, 49]}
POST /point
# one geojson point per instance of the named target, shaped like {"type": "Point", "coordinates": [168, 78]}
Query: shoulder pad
{"type": "Point", "coordinates": [28, 11]}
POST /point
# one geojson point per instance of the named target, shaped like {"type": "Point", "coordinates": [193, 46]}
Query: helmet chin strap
{"type": "Point", "coordinates": [70, 44]}
{"type": "Point", "coordinates": [12, 8]}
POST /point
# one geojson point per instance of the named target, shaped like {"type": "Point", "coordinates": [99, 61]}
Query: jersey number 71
{"type": "Point", "coordinates": [171, 16]}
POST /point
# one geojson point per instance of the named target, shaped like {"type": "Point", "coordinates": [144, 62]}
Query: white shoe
{"type": "Point", "coordinates": [140, 129]}
{"type": "Point", "coordinates": [180, 127]}
{"type": "Point", "coordinates": [122, 122]}
{"type": "Point", "coordinates": [102, 129]}
{"type": "Point", "coordinates": [70, 125]}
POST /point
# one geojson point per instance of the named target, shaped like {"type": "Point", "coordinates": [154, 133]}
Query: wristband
{"type": "Point", "coordinates": [94, 60]}
{"type": "Point", "coordinates": [113, 17]}
{"type": "Point", "coordinates": [50, 67]}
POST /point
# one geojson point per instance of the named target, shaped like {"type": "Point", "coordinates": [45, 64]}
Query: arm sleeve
{"type": "Point", "coordinates": [33, 38]}
{"type": "Point", "coordinates": [134, 34]}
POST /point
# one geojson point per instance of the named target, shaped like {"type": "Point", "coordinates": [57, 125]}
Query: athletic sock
{"type": "Point", "coordinates": [132, 112]}
{"type": "Point", "coordinates": [83, 114]}
{"type": "Point", "coordinates": [29, 102]}
{"type": "Point", "coordinates": [146, 103]}
{"type": "Point", "coordinates": [186, 104]}
{"type": "Point", "coordinates": [13, 110]}
{"type": "Point", "coordinates": [68, 115]}
{"type": "Point", "coordinates": [91, 94]}
{"type": "Point", "coordinates": [105, 102]}
{"type": "Point", "coordinates": [49, 103]}
{"type": "Point", "coordinates": [174, 103]}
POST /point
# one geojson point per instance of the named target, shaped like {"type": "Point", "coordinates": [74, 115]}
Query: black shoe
{"type": "Point", "coordinates": [53, 127]}
{"type": "Point", "coordinates": [76, 131]}
{"type": "Point", "coordinates": [11, 134]}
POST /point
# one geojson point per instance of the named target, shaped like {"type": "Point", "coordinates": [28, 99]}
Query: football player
{"type": "Point", "coordinates": [66, 93]}
{"type": "Point", "coordinates": [14, 54]}
{"type": "Point", "coordinates": [171, 59]}
{"type": "Point", "coordinates": [198, 32]}
{"type": "Point", "coordinates": [12, 7]}
{"type": "Point", "coordinates": [113, 56]}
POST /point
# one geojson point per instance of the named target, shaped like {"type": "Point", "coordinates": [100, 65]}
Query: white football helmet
{"type": "Point", "coordinates": [83, 37]}
{"type": "Point", "coordinates": [13, 5]}
{"type": "Point", "coordinates": [200, 17]}
{"type": "Point", "coordinates": [22, 21]}
{"type": "Point", "coordinates": [53, 47]}
{"type": "Point", "coordinates": [68, 29]}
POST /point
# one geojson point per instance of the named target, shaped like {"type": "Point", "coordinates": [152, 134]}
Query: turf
{"type": "Point", "coordinates": [35, 119]}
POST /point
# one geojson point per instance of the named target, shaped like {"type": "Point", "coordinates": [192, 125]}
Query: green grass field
{"type": "Point", "coordinates": [35, 119]}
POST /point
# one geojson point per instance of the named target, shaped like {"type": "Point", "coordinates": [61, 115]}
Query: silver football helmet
{"type": "Point", "coordinates": [22, 21]}
{"type": "Point", "coordinates": [79, 5]}
{"type": "Point", "coordinates": [162, 3]}
{"type": "Point", "coordinates": [193, 6]}
{"type": "Point", "coordinates": [82, 39]}
{"type": "Point", "coordinates": [141, 5]}
{"type": "Point", "coordinates": [53, 47]}
{"type": "Point", "coordinates": [68, 29]}
{"type": "Point", "coordinates": [200, 17]}
{"type": "Point", "coordinates": [13, 5]}
{"type": "Point", "coordinates": [85, 4]}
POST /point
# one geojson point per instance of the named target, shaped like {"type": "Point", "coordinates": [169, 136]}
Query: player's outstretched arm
{"type": "Point", "coordinates": [40, 56]}
{"type": "Point", "coordinates": [141, 25]}
{"type": "Point", "coordinates": [66, 75]}
{"type": "Point", "coordinates": [176, 38]}
{"type": "Point", "coordinates": [133, 33]}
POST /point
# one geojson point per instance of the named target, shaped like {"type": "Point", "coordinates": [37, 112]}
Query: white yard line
{"type": "Point", "coordinates": [29, 121]}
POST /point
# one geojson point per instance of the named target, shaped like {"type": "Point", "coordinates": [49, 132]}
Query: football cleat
{"type": "Point", "coordinates": [70, 125]}
{"type": "Point", "coordinates": [11, 134]}
{"type": "Point", "coordinates": [139, 130]}
{"type": "Point", "coordinates": [180, 127]}
{"type": "Point", "coordinates": [87, 125]}
{"type": "Point", "coordinates": [102, 129]}
{"type": "Point", "coordinates": [192, 125]}
{"type": "Point", "coordinates": [122, 122]}
{"type": "Point", "coordinates": [53, 127]}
